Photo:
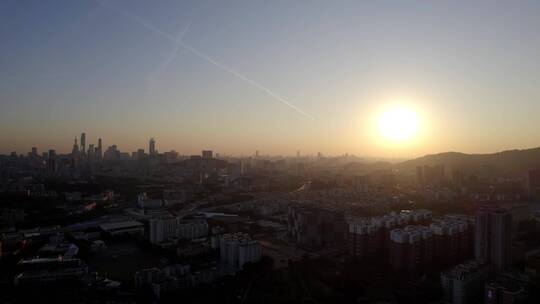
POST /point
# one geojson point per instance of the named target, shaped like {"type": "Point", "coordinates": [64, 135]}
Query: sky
{"type": "Point", "coordinates": [274, 76]}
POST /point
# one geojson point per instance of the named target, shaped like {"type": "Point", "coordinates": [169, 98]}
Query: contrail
{"type": "Point", "coordinates": [177, 45]}
{"type": "Point", "coordinates": [170, 58]}
{"type": "Point", "coordinates": [207, 58]}
{"type": "Point", "coordinates": [244, 78]}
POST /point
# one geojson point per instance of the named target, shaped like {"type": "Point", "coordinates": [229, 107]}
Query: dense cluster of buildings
{"type": "Point", "coordinates": [85, 157]}
{"type": "Point", "coordinates": [173, 278]}
{"type": "Point", "coordinates": [56, 261]}
{"type": "Point", "coordinates": [473, 249]}
{"type": "Point", "coordinates": [478, 280]}
{"type": "Point", "coordinates": [368, 237]}
{"type": "Point", "coordinates": [412, 240]}
{"type": "Point", "coordinates": [235, 250]}
{"type": "Point", "coordinates": [199, 218]}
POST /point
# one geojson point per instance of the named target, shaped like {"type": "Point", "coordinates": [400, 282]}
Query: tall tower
{"type": "Point", "coordinates": [207, 154]}
{"type": "Point", "coordinates": [99, 150]}
{"type": "Point", "coordinates": [91, 154]}
{"type": "Point", "coordinates": [502, 239]}
{"type": "Point", "coordinates": [83, 143]}
{"type": "Point", "coordinates": [152, 147]}
{"type": "Point", "coordinates": [493, 237]}
{"type": "Point", "coordinates": [51, 163]}
{"type": "Point", "coordinates": [75, 150]}
{"type": "Point", "coordinates": [482, 237]}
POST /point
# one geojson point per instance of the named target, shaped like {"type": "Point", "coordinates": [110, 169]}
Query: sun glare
{"type": "Point", "coordinates": [398, 124]}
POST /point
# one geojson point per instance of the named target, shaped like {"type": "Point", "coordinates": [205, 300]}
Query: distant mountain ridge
{"type": "Point", "coordinates": [506, 163]}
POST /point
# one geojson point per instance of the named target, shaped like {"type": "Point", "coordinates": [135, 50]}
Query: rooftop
{"type": "Point", "coordinates": [121, 225]}
{"type": "Point", "coordinates": [465, 270]}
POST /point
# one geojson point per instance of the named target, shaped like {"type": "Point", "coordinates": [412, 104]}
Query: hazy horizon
{"type": "Point", "coordinates": [277, 77]}
{"type": "Point", "coordinates": [197, 151]}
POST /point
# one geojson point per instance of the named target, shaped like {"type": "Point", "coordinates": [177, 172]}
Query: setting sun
{"type": "Point", "coordinates": [398, 124]}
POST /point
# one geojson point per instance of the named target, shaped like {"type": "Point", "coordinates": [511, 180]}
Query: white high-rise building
{"type": "Point", "coordinates": [249, 252]}
{"type": "Point", "coordinates": [192, 229]}
{"type": "Point", "coordinates": [237, 249]}
{"type": "Point", "coordinates": [164, 228]}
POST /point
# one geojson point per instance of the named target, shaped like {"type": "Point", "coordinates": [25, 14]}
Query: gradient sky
{"type": "Point", "coordinates": [109, 68]}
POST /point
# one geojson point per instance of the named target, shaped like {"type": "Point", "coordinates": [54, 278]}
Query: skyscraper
{"type": "Point", "coordinates": [83, 143]}
{"type": "Point", "coordinates": [75, 150]}
{"type": "Point", "coordinates": [91, 153]}
{"type": "Point", "coordinates": [207, 154]}
{"type": "Point", "coordinates": [51, 163]}
{"type": "Point", "coordinates": [152, 147]}
{"type": "Point", "coordinates": [99, 152]}
{"type": "Point", "coordinates": [493, 237]}
{"type": "Point", "coordinates": [140, 155]}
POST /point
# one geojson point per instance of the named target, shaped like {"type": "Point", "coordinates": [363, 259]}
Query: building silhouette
{"type": "Point", "coordinates": [83, 144]}
{"type": "Point", "coordinates": [493, 237]}
{"type": "Point", "coordinates": [152, 147]}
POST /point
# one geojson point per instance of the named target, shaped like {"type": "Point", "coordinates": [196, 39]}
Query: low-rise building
{"type": "Point", "coordinates": [40, 271]}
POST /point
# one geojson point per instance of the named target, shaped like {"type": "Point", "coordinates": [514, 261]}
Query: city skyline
{"type": "Point", "coordinates": [97, 144]}
{"type": "Point", "coordinates": [150, 149]}
{"type": "Point", "coordinates": [242, 76]}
